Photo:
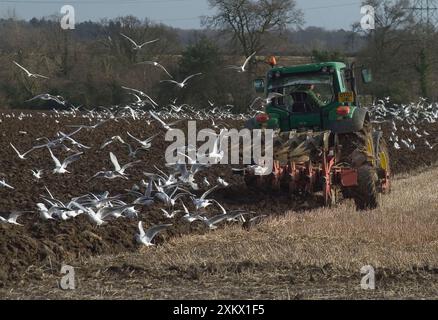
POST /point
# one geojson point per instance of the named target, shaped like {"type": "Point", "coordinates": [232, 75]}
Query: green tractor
{"type": "Point", "coordinates": [324, 139]}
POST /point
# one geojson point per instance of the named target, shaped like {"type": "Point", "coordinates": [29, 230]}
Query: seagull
{"type": "Point", "coordinates": [184, 83]}
{"type": "Point", "coordinates": [4, 184]}
{"type": "Point", "coordinates": [145, 144]}
{"type": "Point", "coordinates": [201, 202]}
{"type": "Point", "coordinates": [29, 74]}
{"type": "Point", "coordinates": [45, 96]}
{"type": "Point", "coordinates": [97, 218]}
{"type": "Point", "coordinates": [45, 214]}
{"type": "Point", "coordinates": [21, 156]}
{"type": "Point", "coordinates": [242, 68]}
{"type": "Point", "coordinates": [37, 173]}
{"type": "Point", "coordinates": [88, 127]}
{"type": "Point", "coordinates": [163, 124]}
{"type": "Point", "coordinates": [12, 219]}
{"type": "Point", "coordinates": [156, 64]}
{"type": "Point", "coordinates": [111, 140]}
{"type": "Point", "coordinates": [146, 238]}
{"type": "Point", "coordinates": [136, 46]}
{"type": "Point", "coordinates": [172, 214]}
{"type": "Point", "coordinates": [61, 168]}
{"type": "Point", "coordinates": [211, 223]}
{"type": "Point", "coordinates": [266, 101]}
{"type": "Point", "coordinates": [141, 93]}
{"type": "Point", "coordinates": [429, 145]}
{"type": "Point", "coordinates": [117, 168]}
{"type": "Point", "coordinates": [222, 182]}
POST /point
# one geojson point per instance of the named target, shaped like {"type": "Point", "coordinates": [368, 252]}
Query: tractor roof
{"type": "Point", "coordinates": [313, 67]}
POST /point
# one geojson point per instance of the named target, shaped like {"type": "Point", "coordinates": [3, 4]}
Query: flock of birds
{"type": "Point", "coordinates": [171, 189]}
{"type": "Point", "coordinates": [177, 187]}
{"type": "Point", "coordinates": [404, 121]}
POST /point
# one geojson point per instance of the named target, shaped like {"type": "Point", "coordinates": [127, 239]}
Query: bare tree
{"type": "Point", "coordinates": [249, 21]}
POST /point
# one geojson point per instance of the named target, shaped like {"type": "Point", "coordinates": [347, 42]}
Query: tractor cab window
{"type": "Point", "coordinates": [304, 92]}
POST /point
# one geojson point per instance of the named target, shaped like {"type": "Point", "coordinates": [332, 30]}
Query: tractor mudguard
{"type": "Point", "coordinates": [350, 125]}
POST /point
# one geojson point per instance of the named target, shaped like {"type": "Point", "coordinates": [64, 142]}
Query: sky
{"type": "Point", "coordinates": [329, 14]}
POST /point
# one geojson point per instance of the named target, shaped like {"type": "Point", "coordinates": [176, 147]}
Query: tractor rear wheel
{"type": "Point", "coordinates": [366, 195]}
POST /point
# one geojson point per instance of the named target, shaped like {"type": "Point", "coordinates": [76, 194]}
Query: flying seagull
{"type": "Point", "coordinates": [61, 167]}
{"type": "Point", "coordinates": [4, 184]}
{"type": "Point", "coordinates": [29, 74]}
{"type": "Point", "coordinates": [184, 83]}
{"type": "Point", "coordinates": [156, 64]}
{"type": "Point", "coordinates": [136, 46]}
{"type": "Point", "coordinates": [163, 124]}
{"type": "Point", "coordinates": [146, 238]}
{"type": "Point", "coordinates": [242, 68]}
{"type": "Point", "coordinates": [45, 96]}
{"type": "Point", "coordinates": [12, 219]}
{"type": "Point", "coordinates": [141, 93]}
{"type": "Point", "coordinates": [21, 156]}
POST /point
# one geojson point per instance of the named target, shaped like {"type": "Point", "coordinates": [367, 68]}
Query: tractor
{"type": "Point", "coordinates": [324, 139]}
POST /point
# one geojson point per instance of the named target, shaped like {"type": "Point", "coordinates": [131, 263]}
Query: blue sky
{"type": "Point", "coordinates": [330, 14]}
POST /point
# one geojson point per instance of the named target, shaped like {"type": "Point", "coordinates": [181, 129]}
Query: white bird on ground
{"type": "Point", "coordinates": [29, 74]}
{"type": "Point", "coordinates": [156, 64]}
{"type": "Point", "coordinates": [136, 46]}
{"type": "Point", "coordinates": [146, 238]}
{"type": "Point", "coordinates": [242, 68]}
{"type": "Point", "coordinates": [62, 167]}
{"type": "Point", "coordinates": [184, 83]}
{"type": "Point", "coordinates": [4, 184]}
{"type": "Point", "coordinates": [20, 155]}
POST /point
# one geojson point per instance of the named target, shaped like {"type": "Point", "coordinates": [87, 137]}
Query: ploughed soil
{"type": "Point", "coordinates": [47, 244]}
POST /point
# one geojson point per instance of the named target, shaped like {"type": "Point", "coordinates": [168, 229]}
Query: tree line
{"type": "Point", "coordinates": [89, 65]}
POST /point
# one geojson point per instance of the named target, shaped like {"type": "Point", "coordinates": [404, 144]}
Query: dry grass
{"type": "Point", "coordinates": [401, 235]}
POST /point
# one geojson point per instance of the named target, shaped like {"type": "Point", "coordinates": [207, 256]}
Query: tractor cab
{"type": "Point", "coordinates": [320, 96]}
